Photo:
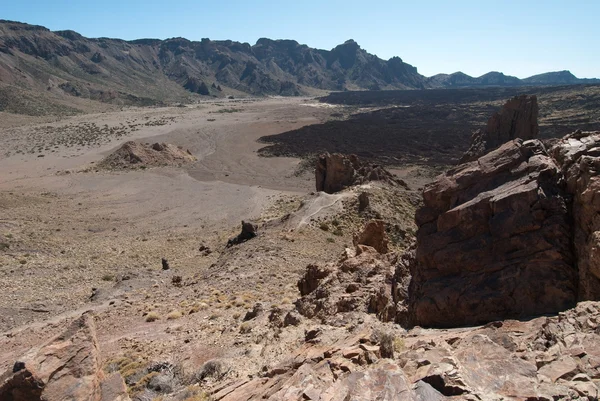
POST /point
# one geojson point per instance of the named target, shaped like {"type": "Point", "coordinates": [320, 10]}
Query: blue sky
{"type": "Point", "coordinates": [519, 38]}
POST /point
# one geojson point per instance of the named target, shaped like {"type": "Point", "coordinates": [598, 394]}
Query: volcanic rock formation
{"type": "Point", "coordinates": [372, 235]}
{"type": "Point", "coordinates": [579, 157]}
{"type": "Point", "coordinates": [357, 284]}
{"type": "Point", "coordinates": [336, 171]}
{"type": "Point", "coordinates": [494, 241]}
{"type": "Point", "coordinates": [66, 368]}
{"type": "Point", "coordinates": [517, 119]}
{"type": "Point", "coordinates": [512, 234]}
{"type": "Point", "coordinates": [138, 155]}
{"type": "Point", "coordinates": [248, 232]}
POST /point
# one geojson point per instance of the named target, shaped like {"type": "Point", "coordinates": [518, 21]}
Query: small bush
{"type": "Point", "coordinates": [4, 246]}
{"type": "Point", "coordinates": [386, 343]}
{"type": "Point", "coordinates": [108, 277]}
{"type": "Point", "coordinates": [211, 369]}
{"type": "Point", "coordinates": [174, 315]}
{"type": "Point", "coordinates": [245, 328]}
{"type": "Point", "coordinates": [152, 317]}
{"type": "Point", "coordinates": [399, 344]}
{"type": "Point", "coordinates": [324, 226]}
{"type": "Point", "coordinates": [331, 240]}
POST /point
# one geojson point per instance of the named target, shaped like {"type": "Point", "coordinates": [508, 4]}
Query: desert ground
{"type": "Point", "coordinates": [76, 237]}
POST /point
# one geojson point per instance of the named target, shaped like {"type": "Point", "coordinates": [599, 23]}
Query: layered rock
{"type": "Point", "coordinates": [494, 241]}
{"type": "Point", "coordinates": [517, 119]}
{"type": "Point", "coordinates": [547, 358]}
{"type": "Point", "coordinates": [66, 368]}
{"type": "Point", "coordinates": [349, 369]}
{"type": "Point", "coordinates": [579, 157]}
{"type": "Point", "coordinates": [336, 171]}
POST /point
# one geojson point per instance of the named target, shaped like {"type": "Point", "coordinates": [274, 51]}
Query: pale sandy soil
{"type": "Point", "coordinates": [68, 228]}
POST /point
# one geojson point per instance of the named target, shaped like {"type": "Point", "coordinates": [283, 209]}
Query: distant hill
{"type": "Point", "coordinates": [461, 80]}
{"type": "Point", "coordinates": [153, 71]}
{"type": "Point", "coordinates": [558, 78]}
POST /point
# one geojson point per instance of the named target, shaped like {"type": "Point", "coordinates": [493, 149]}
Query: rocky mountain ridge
{"type": "Point", "coordinates": [150, 71]}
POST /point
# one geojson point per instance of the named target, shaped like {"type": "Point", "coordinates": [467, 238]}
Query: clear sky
{"type": "Point", "coordinates": [520, 38]}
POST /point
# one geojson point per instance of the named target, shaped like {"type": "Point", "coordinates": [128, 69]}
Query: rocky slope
{"type": "Point", "coordinates": [152, 71]}
{"type": "Point", "coordinates": [116, 70]}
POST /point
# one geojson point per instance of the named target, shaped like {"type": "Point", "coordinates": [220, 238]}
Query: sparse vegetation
{"type": "Point", "coordinates": [228, 110]}
{"type": "Point", "coordinates": [174, 315]}
{"type": "Point", "coordinates": [152, 317]}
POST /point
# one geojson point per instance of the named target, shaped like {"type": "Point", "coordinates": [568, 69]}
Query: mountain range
{"type": "Point", "coordinates": [147, 71]}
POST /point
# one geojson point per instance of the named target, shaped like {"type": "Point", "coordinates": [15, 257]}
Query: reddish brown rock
{"type": "Point", "coordinates": [517, 119]}
{"type": "Point", "coordinates": [358, 284]}
{"type": "Point", "coordinates": [579, 157]}
{"type": "Point", "coordinates": [336, 171]}
{"type": "Point", "coordinates": [66, 368]}
{"type": "Point", "coordinates": [373, 235]}
{"type": "Point", "coordinates": [494, 241]}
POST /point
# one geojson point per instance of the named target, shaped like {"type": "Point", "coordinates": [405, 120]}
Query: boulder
{"type": "Point", "coordinates": [494, 241]}
{"type": "Point", "coordinates": [335, 172]}
{"type": "Point", "coordinates": [248, 232]}
{"type": "Point", "coordinates": [579, 157]}
{"type": "Point", "coordinates": [66, 368]}
{"type": "Point", "coordinates": [517, 119]}
{"type": "Point", "coordinates": [373, 235]}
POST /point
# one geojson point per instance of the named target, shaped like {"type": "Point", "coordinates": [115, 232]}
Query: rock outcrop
{"type": "Point", "coordinates": [579, 157]}
{"type": "Point", "coordinates": [356, 284]}
{"type": "Point", "coordinates": [66, 368]}
{"type": "Point", "coordinates": [547, 358]}
{"type": "Point", "coordinates": [517, 119]}
{"type": "Point", "coordinates": [515, 233]}
{"type": "Point", "coordinates": [138, 155]}
{"type": "Point", "coordinates": [336, 171]}
{"type": "Point", "coordinates": [372, 235]}
{"type": "Point", "coordinates": [494, 241]}
{"type": "Point", "coordinates": [349, 369]}
{"type": "Point", "coordinates": [248, 232]}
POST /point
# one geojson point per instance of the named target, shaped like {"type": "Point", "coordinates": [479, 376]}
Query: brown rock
{"type": "Point", "coordinates": [336, 171]}
{"type": "Point", "coordinates": [493, 241]}
{"type": "Point", "coordinates": [579, 157]}
{"type": "Point", "coordinates": [363, 201]}
{"type": "Point", "coordinates": [324, 289]}
{"type": "Point", "coordinates": [66, 368]}
{"type": "Point", "coordinates": [249, 231]}
{"type": "Point", "coordinates": [563, 368]}
{"type": "Point", "coordinates": [373, 235]}
{"type": "Point", "coordinates": [517, 119]}
{"type": "Point", "coordinates": [114, 389]}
